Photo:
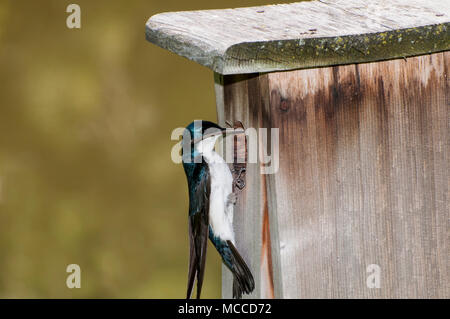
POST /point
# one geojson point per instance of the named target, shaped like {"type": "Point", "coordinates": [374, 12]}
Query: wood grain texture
{"type": "Point", "coordinates": [363, 179]}
{"type": "Point", "coordinates": [241, 96]}
{"type": "Point", "coordinates": [303, 34]}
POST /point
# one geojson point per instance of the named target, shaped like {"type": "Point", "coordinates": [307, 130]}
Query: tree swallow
{"type": "Point", "coordinates": [211, 201]}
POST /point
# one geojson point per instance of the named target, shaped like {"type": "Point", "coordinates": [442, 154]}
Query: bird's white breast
{"type": "Point", "coordinates": [220, 211]}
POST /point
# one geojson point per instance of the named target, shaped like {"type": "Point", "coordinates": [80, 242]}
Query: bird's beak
{"type": "Point", "coordinates": [222, 131]}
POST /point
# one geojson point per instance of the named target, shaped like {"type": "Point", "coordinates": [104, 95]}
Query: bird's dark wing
{"type": "Point", "coordinates": [243, 282]}
{"type": "Point", "coordinates": [199, 191]}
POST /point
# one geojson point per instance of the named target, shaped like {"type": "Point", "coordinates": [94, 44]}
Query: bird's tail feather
{"type": "Point", "coordinates": [243, 281]}
{"type": "Point", "coordinates": [197, 262]}
{"type": "Point", "coordinates": [192, 264]}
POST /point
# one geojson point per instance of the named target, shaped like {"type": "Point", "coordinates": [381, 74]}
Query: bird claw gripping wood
{"type": "Point", "coordinates": [239, 182]}
{"type": "Point", "coordinates": [239, 166]}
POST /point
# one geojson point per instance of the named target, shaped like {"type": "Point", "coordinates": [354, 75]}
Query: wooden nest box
{"type": "Point", "coordinates": [359, 92]}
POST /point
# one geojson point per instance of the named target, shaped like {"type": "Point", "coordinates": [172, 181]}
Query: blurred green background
{"type": "Point", "coordinates": [85, 170]}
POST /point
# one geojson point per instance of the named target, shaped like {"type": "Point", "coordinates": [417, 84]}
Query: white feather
{"type": "Point", "coordinates": [220, 209]}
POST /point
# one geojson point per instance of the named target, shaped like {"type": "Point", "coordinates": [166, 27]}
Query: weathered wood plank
{"type": "Point", "coordinates": [363, 179]}
{"type": "Point", "coordinates": [304, 34]}
{"type": "Point", "coordinates": [247, 97]}
{"type": "Point", "coordinates": [233, 92]}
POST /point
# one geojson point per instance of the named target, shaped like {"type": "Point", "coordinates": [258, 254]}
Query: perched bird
{"type": "Point", "coordinates": [211, 201]}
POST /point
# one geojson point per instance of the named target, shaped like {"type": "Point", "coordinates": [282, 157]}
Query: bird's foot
{"type": "Point", "coordinates": [232, 199]}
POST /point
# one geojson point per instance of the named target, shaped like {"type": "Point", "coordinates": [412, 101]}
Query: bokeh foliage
{"type": "Point", "coordinates": [85, 170]}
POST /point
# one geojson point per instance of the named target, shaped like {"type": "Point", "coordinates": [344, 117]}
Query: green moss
{"type": "Point", "coordinates": [314, 52]}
